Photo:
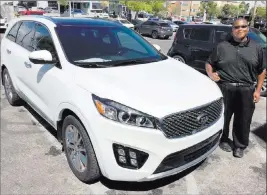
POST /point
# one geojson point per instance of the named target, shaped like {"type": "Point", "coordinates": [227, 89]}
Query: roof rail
{"type": "Point", "coordinates": [41, 16]}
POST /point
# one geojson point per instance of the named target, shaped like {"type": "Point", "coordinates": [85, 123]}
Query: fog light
{"type": "Point", "coordinates": [134, 162]}
{"type": "Point", "coordinates": [121, 152]}
{"type": "Point", "coordinates": [128, 157]}
{"type": "Point", "coordinates": [122, 159]}
{"type": "Point", "coordinates": [132, 154]}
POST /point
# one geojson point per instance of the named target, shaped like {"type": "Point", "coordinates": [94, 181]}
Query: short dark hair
{"type": "Point", "coordinates": [239, 19]}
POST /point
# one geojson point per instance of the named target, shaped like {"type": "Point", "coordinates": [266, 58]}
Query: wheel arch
{"type": "Point", "coordinates": [66, 109]}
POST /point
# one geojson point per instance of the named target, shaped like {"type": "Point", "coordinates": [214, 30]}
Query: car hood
{"type": "Point", "coordinates": [158, 88]}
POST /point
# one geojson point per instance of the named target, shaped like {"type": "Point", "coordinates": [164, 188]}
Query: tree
{"type": "Point", "coordinates": [230, 10]}
{"type": "Point", "coordinates": [145, 5]}
{"type": "Point", "coordinates": [210, 8]}
{"type": "Point", "coordinates": [157, 6]}
{"type": "Point", "coordinates": [63, 2]}
{"type": "Point", "coordinates": [261, 11]}
{"type": "Point", "coordinates": [243, 8]}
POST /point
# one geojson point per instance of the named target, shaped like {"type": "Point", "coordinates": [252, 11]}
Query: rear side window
{"type": "Point", "coordinates": [200, 34]}
{"type": "Point", "coordinates": [221, 36]}
{"type": "Point", "coordinates": [164, 24]}
{"type": "Point", "coordinates": [25, 35]}
{"type": "Point", "coordinates": [13, 32]}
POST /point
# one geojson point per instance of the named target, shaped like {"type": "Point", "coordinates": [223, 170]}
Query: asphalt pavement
{"type": "Point", "coordinates": [32, 161]}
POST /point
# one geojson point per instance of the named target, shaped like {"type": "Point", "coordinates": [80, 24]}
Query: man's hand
{"type": "Point", "coordinates": [256, 96]}
{"type": "Point", "coordinates": [214, 76]}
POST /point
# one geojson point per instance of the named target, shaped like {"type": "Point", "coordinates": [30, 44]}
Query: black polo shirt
{"type": "Point", "coordinates": [238, 62]}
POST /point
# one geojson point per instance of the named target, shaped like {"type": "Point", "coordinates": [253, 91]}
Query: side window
{"type": "Point", "coordinates": [187, 32]}
{"type": "Point", "coordinates": [147, 23]}
{"type": "Point", "coordinates": [25, 35]}
{"type": "Point", "coordinates": [127, 41]}
{"type": "Point", "coordinates": [43, 40]}
{"type": "Point", "coordinates": [13, 32]}
{"type": "Point", "coordinates": [220, 36]}
{"type": "Point", "coordinates": [200, 34]}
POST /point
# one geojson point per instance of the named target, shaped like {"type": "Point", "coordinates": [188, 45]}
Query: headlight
{"type": "Point", "coordinates": [123, 114]}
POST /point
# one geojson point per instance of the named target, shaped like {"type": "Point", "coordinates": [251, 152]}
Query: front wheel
{"type": "Point", "coordinates": [79, 151]}
{"type": "Point", "coordinates": [179, 58]}
{"type": "Point", "coordinates": [11, 94]}
{"type": "Point", "coordinates": [154, 34]}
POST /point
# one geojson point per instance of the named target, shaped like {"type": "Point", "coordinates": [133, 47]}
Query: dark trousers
{"type": "Point", "coordinates": [238, 100]}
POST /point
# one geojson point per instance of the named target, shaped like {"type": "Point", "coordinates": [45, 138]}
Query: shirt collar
{"type": "Point", "coordinates": [241, 44]}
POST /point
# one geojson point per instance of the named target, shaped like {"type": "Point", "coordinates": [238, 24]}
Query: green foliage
{"type": "Point", "coordinates": [151, 6]}
{"type": "Point", "coordinates": [211, 9]}
{"type": "Point", "coordinates": [261, 11]}
{"type": "Point", "coordinates": [63, 2]}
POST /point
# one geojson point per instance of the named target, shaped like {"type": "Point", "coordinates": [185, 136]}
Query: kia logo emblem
{"type": "Point", "coordinates": [202, 119]}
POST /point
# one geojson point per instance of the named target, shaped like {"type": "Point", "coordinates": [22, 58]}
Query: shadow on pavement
{"type": "Point", "coordinates": [148, 185]}
{"type": "Point", "coordinates": [41, 120]}
{"type": "Point", "coordinates": [261, 132]}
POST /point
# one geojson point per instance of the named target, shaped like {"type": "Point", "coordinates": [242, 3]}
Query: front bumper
{"type": "Point", "coordinates": [151, 141]}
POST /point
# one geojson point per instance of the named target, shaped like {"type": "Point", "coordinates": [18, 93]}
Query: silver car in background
{"type": "Point", "coordinates": [156, 29]}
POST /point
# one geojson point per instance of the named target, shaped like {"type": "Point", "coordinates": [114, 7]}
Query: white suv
{"type": "Point", "coordinates": [121, 108]}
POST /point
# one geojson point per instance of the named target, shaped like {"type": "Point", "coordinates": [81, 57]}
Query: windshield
{"type": "Point", "coordinates": [84, 45]}
{"type": "Point", "coordinates": [125, 22]}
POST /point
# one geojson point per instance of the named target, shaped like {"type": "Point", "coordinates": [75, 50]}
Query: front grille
{"type": "Point", "coordinates": [188, 155]}
{"type": "Point", "coordinates": [191, 121]}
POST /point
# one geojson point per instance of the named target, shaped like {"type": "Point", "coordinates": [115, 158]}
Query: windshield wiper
{"type": "Point", "coordinates": [131, 62]}
{"type": "Point", "coordinates": [91, 65]}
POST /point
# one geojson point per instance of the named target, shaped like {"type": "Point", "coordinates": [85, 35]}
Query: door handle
{"type": "Point", "coordinates": [186, 45]}
{"type": "Point", "coordinates": [28, 65]}
{"type": "Point", "coordinates": [8, 51]}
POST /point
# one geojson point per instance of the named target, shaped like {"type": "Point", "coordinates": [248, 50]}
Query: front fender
{"type": "Point", "coordinates": [85, 122]}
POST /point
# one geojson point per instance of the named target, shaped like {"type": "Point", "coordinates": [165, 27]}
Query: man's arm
{"type": "Point", "coordinates": [213, 58]}
{"type": "Point", "coordinates": [261, 70]}
{"type": "Point", "coordinates": [260, 82]}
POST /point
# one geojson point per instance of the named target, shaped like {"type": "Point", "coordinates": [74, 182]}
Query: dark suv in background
{"type": "Point", "coordinates": [194, 43]}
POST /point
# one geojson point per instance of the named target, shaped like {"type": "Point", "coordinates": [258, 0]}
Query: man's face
{"type": "Point", "coordinates": [240, 29]}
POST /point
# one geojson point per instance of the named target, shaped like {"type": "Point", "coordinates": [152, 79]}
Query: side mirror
{"type": "Point", "coordinates": [157, 47]}
{"type": "Point", "coordinates": [41, 57]}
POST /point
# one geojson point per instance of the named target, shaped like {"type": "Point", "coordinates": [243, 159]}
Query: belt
{"type": "Point", "coordinates": [240, 84]}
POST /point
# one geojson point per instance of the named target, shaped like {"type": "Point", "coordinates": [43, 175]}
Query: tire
{"type": "Point", "coordinates": [138, 31]}
{"type": "Point", "coordinates": [11, 94]}
{"type": "Point", "coordinates": [264, 89]}
{"type": "Point", "coordinates": [179, 58]}
{"type": "Point", "coordinates": [167, 37]}
{"type": "Point", "coordinates": [90, 172]}
{"type": "Point", "coordinates": [154, 34]}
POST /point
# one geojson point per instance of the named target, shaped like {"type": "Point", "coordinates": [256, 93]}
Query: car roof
{"type": "Point", "coordinates": [68, 21]}
{"type": "Point", "coordinates": [207, 25]}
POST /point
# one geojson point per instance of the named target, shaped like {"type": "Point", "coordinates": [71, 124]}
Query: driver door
{"type": "Point", "coordinates": [47, 81]}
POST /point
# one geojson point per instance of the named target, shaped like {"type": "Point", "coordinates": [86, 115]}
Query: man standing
{"type": "Point", "coordinates": [238, 66]}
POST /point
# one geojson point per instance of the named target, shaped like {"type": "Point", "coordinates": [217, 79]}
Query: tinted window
{"type": "Point", "coordinates": [129, 42]}
{"type": "Point", "coordinates": [200, 34]}
{"type": "Point", "coordinates": [164, 24]}
{"type": "Point", "coordinates": [105, 45]}
{"type": "Point", "coordinates": [25, 35]}
{"type": "Point", "coordinates": [13, 32]}
{"type": "Point", "coordinates": [221, 35]}
{"type": "Point", "coordinates": [148, 23]}
{"type": "Point", "coordinates": [187, 32]}
{"type": "Point", "coordinates": [43, 40]}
